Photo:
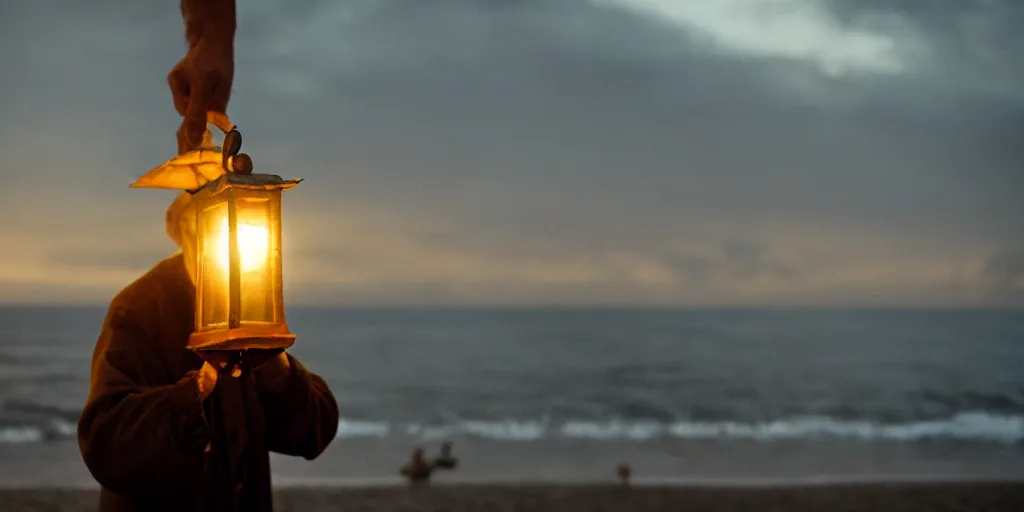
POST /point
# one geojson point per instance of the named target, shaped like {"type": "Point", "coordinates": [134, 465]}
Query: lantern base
{"type": "Point", "coordinates": [227, 360]}
{"type": "Point", "coordinates": [240, 339]}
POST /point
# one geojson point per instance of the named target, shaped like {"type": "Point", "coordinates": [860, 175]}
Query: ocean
{"type": "Point", "coordinates": [566, 394]}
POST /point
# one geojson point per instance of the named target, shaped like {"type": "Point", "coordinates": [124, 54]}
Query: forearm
{"type": "Point", "coordinates": [209, 19]}
{"type": "Point", "coordinates": [301, 412]}
{"type": "Point", "coordinates": [145, 441]}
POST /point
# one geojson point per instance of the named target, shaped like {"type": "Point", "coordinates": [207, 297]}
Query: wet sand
{"type": "Point", "coordinates": [896, 497]}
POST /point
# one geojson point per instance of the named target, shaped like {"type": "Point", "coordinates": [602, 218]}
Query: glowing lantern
{"type": "Point", "coordinates": [239, 299]}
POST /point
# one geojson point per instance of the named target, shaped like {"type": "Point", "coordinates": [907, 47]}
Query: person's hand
{"type": "Point", "coordinates": [206, 379]}
{"type": "Point", "coordinates": [201, 83]}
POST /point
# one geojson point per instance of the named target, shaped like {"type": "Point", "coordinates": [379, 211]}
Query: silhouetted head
{"type": "Point", "coordinates": [417, 456]}
{"type": "Point", "coordinates": [446, 448]}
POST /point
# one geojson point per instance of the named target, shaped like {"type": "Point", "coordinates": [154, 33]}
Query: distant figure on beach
{"type": "Point", "coordinates": [162, 430]}
{"type": "Point", "coordinates": [417, 470]}
{"type": "Point", "coordinates": [624, 472]}
{"type": "Point", "coordinates": [446, 460]}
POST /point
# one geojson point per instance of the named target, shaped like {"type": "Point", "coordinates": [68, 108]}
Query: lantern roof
{"type": "Point", "coordinates": [185, 172]}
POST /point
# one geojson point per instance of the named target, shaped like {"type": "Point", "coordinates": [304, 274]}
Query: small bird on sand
{"type": "Point", "coordinates": [417, 470]}
{"type": "Point", "coordinates": [446, 460]}
{"type": "Point", "coordinates": [624, 472]}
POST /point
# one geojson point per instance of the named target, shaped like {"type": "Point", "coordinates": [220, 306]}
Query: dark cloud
{"type": "Point", "coordinates": [1004, 273]}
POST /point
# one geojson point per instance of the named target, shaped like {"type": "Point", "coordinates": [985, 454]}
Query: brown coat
{"type": "Point", "coordinates": [144, 429]}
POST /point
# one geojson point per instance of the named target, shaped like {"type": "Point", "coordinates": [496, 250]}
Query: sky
{"type": "Point", "coordinates": [543, 152]}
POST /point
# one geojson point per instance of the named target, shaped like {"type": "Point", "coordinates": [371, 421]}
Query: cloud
{"type": "Point", "coordinates": [541, 151]}
{"type": "Point", "coordinates": [788, 29]}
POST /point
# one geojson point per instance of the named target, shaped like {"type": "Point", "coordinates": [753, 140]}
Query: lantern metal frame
{"type": "Point", "coordinates": [237, 183]}
{"type": "Point", "coordinates": [240, 333]}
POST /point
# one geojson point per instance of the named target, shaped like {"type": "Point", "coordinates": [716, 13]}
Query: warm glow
{"type": "Point", "coordinates": [253, 241]}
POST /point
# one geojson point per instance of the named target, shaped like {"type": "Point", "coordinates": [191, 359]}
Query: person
{"type": "Point", "coordinates": [162, 429]}
{"type": "Point", "coordinates": [417, 470]}
{"type": "Point", "coordinates": [446, 460]}
{"type": "Point", "coordinates": [624, 472]}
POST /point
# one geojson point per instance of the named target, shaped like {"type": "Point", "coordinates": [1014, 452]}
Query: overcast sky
{"type": "Point", "coordinates": [633, 152]}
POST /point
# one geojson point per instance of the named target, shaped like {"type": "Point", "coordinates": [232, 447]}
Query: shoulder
{"type": "Point", "coordinates": [167, 282]}
{"type": "Point", "coordinates": [147, 325]}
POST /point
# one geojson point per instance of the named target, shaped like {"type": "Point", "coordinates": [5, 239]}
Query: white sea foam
{"type": "Point", "coordinates": [976, 426]}
{"type": "Point", "coordinates": [355, 428]}
{"type": "Point", "coordinates": [10, 435]}
{"type": "Point", "coordinates": [52, 429]}
{"type": "Point", "coordinates": [966, 426]}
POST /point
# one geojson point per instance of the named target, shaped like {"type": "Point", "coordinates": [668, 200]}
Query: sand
{"type": "Point", "coordinates": [896, 497]}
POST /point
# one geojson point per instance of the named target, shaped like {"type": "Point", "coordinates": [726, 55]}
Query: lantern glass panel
{"type": "Point", "coordinates": [212, 269]}
{"type": "Point", "coordinates": [258, 233]}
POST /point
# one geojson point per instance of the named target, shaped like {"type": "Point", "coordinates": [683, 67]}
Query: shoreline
{"type": "Point", "coordinates": [956, 496]}
{"type": "Point", "coordinates": [647, 482]}
{"type": "Point", "coordinates": [316, 484]}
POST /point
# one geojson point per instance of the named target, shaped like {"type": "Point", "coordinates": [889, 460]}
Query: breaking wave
{"type": "Point", "coordinates": [976, 426]}
{"type": "Point", "coordinates": [968, 426]}
{"type": "Point", "coordinates": [52, 430]}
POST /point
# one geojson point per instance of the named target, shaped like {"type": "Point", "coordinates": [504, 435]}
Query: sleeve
{"type": "Point", "coordinates": [300, 412]}
{"type": "Point", "coordinates": [138, 439]}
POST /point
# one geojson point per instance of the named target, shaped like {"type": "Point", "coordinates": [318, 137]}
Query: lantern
{"type": "Point", "coordinates": [239, 302]}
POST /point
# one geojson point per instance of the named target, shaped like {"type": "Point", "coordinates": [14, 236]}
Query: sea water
{"type": "Point", "coordinates": [547, 394]}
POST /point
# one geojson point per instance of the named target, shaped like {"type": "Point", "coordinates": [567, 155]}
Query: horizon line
{"type": "Point", "coordinates": [578, 307]}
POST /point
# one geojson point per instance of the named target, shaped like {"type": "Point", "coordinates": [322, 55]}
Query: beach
{"type": "Point", "coordinates": [896, 497]}
{"type": "Point", "coordinates": [732, 410]}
